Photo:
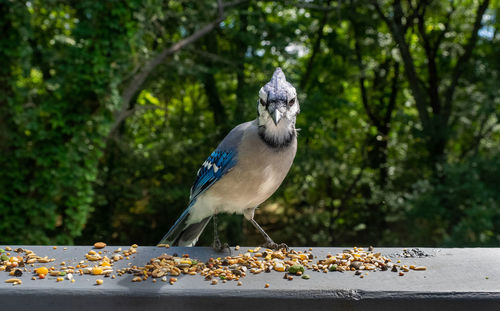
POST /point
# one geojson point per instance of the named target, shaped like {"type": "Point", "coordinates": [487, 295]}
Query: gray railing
{"type": "Point", "coordinates": [454, 279]}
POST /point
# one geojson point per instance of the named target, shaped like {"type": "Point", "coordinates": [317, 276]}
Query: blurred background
{"type": "Point", "coordinates": [108, 109]}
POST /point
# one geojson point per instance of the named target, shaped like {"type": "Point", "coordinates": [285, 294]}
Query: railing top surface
{"type": "Point", "coordinates": [449, 270]}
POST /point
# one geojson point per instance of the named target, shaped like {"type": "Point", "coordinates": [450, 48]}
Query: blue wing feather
{"type": "Point", "coordinates": [217, 165]}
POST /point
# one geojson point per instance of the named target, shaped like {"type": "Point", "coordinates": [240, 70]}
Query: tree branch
{"type": "Point", "coordinates": [441, 35]}
{"type": "Point", "coordinates": [396, 27]}
{"type": "Point", "coordinates": [207, 77]}
{"type": "Point", "coordinates": [463, 59]}
{"type": "Point", "coordinates": [380, 73]}
{"type": "Point", "coordinates": [354, 182]}
{"type": "Point", "coordinates": [364, 95]}
{"type": "Point", "coordinates": [241, 46]}
{"type": "Point", "coordinates": [213, 57]}
{"type": "Point", "coordinates": [127, 113]}
{"type": "Point", "coordinates": [433, 88]}
{"type": "Point", "coordinates": [393, 96]}
{"type": "Point", "coordinates": [316, 48]}
{"type": "Point", "coordinates": [137, 80]}
{"type": "Point", "coordinates": [476, 141]}
{"type": "Point", "coordinates": [232, 3]}
{"type": "Point", "coordinates": [414, 13]}
{"type": "Point", "coordinates": [307, 5]}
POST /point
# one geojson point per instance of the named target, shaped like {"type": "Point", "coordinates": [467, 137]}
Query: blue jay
{"type": "Point", "coordinates": [247, 167]}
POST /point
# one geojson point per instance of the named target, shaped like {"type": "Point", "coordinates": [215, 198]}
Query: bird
{"type": "Point", "coordinates": [246, 168]}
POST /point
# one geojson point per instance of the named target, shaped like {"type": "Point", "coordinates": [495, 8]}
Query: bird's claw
{"type": "Point", "coordinates": [275, 246]}
{"type": "Point", "coordinates": [219, 247]}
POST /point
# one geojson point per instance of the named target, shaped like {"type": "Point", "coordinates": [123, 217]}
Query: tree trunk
{"type": "Point", "coordinates": [210, 85]}
{"type": "Point", "coordinates": [435, 124]}
{"type": "Point", "coordinates": [241, 49]}
{"type": "Point", "coordinates": [315, 50]}
{"type": "Point", "coordinates": [377, 154]}
{"type": "Point", "coordinates": [213, 99]}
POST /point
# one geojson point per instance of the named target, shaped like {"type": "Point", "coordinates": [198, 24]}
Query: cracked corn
{"type": "Point", "coordinates": [223, 269]}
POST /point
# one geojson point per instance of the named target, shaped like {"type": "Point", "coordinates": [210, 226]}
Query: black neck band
{"type": "Point", "coordinates": [277, 143]}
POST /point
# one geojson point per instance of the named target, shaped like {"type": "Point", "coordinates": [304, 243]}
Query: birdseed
{"type": "Point", "coordinates": [14, 281]}
{"type": "Point", "coordinates": [99, 245]}
{"type": "Point", "coordinates": [223, 269]}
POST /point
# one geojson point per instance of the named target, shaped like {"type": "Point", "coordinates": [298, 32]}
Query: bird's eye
{"type": "Point", "coordinates": [262, 102]}
{"type": "Point", "coordinates": [291, 102]}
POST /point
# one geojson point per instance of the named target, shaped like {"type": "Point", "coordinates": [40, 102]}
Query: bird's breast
{"type": "Point", "coordinates": [258, 174]}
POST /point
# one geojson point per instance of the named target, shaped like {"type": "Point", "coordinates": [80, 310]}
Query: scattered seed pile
{"type": "Point", "coordinates": [414, 253]}
{"type": "Point", "coordinates": [19, 261]}
{"type": "Point", "coordinates": [16, 264]}
{"type": "Point", "coordinates": [223, 269]}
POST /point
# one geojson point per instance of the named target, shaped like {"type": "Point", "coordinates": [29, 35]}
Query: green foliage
{"type": "Point", "coordinates": [78, 166]}
{"type": "Point", "coordinates": [458, 208]}
{"type": "Point", "coordinates": [63, 90]}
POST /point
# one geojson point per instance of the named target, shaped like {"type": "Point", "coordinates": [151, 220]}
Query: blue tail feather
{"type": "Point", "coordinates": [183, 234]}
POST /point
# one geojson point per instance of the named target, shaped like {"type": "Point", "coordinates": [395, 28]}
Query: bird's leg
{"type": "Point", "coordinates": [269, 242]}
{"type": "Point", "coordinates": [217, 245]}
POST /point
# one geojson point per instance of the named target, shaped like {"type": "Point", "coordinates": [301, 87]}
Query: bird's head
{"type": "Point", "coordinates": [278, 100]}
{"type": "Point", "coordinates": [278, 108]}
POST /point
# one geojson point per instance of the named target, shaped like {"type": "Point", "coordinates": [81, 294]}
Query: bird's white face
{"type": "Point", "coordinates": [278, 108]}
{"type": "Point", "coordinates": [278, 99]}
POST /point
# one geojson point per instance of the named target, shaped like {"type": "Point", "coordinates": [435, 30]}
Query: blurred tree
{"type": "Point", "coordinates": [433, 88]}
{"type": "Point", "coordinates": [55, 127]}
{"type": "Point", "coordinates": [107, 110]}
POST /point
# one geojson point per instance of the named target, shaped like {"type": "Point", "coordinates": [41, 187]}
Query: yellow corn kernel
{"type": "Point", "coordinates": [96, 271]}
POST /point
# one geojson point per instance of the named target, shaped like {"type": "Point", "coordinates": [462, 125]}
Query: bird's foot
{"type": "Point", "coordinates": [275, 246]}
{"type": "Point", "coordinates": [219, 247]}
